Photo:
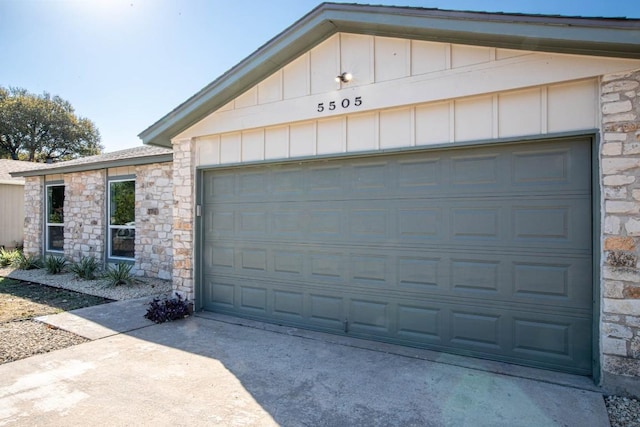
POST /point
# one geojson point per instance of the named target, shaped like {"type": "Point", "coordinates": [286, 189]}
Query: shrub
{"type": "Point", "coordinates": [23, 262]}
{"type": "Point", "coordinates": [55, 264]}
{"type": "Point", "coordinates": [7, 257]}
{"type": "Point", "coordinates": [168, 309]}
{"type": "Point", "coordinates": [85, 269]}
{"type": "Point", "coordinates": [119, 275]}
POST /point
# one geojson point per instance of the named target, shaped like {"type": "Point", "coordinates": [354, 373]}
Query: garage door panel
{"type": "Point", "coordinates": [325, 180]}
{"type": "Point", "coordinates": [254, 260]}
{"type": "Point", "coordinates": [369, 316]}
{"type": "Point", "coordinates": [368, 224]}
{"type": "Point", "coordinates": [221, 187]}
{"type": "Point", "coordinates": [544, 223]}
{"type": "Point", "coordinates": [556, 340]}
{"type": "Point", "coordinates": [478, 170]}
{"type": "Point", "coordinates": [562, 166]}
{"type": "Point", "coordinates": [327, 310]}
{"type": "Point", "coordinates": [252, 222]}
{"type": "Point", "coordinates": [481, 251]}
{"type": "Point", "coordinates": [288, 303]}
{"type": "Point", "coordinates": [420, 323]}
{"type": "Point", "coordinates": [326, 223]}
{"type": "Point", "coordinates": [419, 223]}
{"type": "Point", "coordinates": [417, 175]}
{"type": "Point", "coordinates": [221, 258]}
{"type": "Point", "coordinates": [476, 223]}
{"type": "Point", "coordinates": [526, 166]}
{"type": "Point", "coordinates": [418, 273]}
{"type": "Point", "coordinates": [222, 224]}
{"type": "Point", "coordinates": [252, 183]}
{"type": "Point", "coordinates": [288, 263]}
{"type": "Point", "coordinates": [327, 266]}
{"type": "Point", "coordinates": [477, 276]}
{"type": "Point", "coordinates": [286, 183]}
{"type": "Point", "coordinates": [370, 177]}
{"type": "Point", "coordinates": [475, 329]}
{"type": "Point", "coordinates": [220, 294]}
{"type": "Point", "coordinates": [443, 173]}
{"type": "Point", "coordinates": [370, 270]}
{"type": "Point", "coordinates": [534, 335]}
{"type": "Point", "coordinates": [553, 223]}
{"type": "Point", "coordinates": [253, 298]}
{"type": "Point", "coordinates": [553, 282]}
{"type": "Point", "coordinates": [541, 222]}
{"type": "Point", "coordinates": [288, 221]}
{"type": "Point", "coordinates": [553, 279]}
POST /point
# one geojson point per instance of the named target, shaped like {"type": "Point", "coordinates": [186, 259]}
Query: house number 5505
{"type": "Point", "coordinates": [345, 103]}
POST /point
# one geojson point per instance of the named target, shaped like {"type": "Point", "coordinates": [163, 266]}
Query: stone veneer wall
{"type": "Point", "coordinates": [183, 238]}
{"type": "Point", "coordinates": [84, 215]}
{"type": "Point", "coordinates": [620, 180]}
{"type": "Point", "coordinates": [154, 218]}
{"type": "Point", "coordinates": [33, 208]}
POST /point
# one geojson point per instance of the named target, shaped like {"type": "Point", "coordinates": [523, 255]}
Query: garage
{"type": "Point", "coordinates": [482, 250]}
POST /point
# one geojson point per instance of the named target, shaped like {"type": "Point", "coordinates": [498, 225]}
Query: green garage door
{"type": "Point", "coordinates": [478, 251]}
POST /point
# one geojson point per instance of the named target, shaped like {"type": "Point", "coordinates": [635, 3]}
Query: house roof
{"type": "Point", "coordinates": [613, 37]}
{"type": "Point", "coordinates": [8, 166]}
{"type": "Point", "coordinates": [140, 155]}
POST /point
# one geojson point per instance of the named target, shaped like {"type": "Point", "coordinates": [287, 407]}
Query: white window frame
{"type": "Point", "coordinates": [47, 224]}
{"type": "Point", "coordinates": [110, 227]}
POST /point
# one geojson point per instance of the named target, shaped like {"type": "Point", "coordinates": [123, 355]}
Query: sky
{"type": "Point", "coordinates": [124, 64]}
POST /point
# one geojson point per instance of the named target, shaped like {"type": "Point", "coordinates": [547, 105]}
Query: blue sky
{"type": "Point", "coordinates": [126, 63]}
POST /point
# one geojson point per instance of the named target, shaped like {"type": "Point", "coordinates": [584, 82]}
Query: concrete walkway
{"type": "Point", "coordinates": [218, 370]}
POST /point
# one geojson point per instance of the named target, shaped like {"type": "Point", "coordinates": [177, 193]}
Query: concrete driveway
{"type": "Point", "coordinates": [214, 371]}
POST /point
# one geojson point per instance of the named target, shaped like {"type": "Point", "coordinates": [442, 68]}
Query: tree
{"type": "Point", "coordinates": [43, 127]}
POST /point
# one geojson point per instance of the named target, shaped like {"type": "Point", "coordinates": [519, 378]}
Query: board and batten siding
{"type": "Point", "coordinates": [11, 215]}
{"type": "Point", "coordinates": [411, 93]}
{"type": "Point", "coordinates": [534, 111]}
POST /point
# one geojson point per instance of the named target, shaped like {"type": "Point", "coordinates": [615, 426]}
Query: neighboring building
{"type": "Point", "coordinates": [459, 181]}
{"type": "Point", "coordinates": [115, 207]}
{"type": "Point", "coordinates": [12, 202]}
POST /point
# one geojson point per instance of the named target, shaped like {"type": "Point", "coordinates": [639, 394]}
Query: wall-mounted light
{"type": "Point", "coordinates": [344, 77]}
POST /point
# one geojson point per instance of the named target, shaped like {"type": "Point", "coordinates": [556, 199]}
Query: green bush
{"type": "Point", "coordinates": [23, 262]}
{"type": "Point", "coordinates": [85, 269]}
{"type": "Point", "coordinates": [7, 257]}
{"type": "Point", "coordinates": [54, 264]}
{"type": "Point", "coordinates": [119, 275]}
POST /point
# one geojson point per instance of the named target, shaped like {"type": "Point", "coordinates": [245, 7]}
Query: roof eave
{"type": "Point", "coordinates": [134, 161]}
{"type": "Point", "coordinates": [584, 36]}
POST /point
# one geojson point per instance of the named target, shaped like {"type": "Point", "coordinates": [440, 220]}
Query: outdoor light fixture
{"type": "Point", "coordinates": [344, 77]}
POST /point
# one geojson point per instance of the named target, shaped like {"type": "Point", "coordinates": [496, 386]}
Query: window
{"type": "Point", "coordinates": [122, 217]}
{"type": "Point", "coordinates": [55, 218]}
